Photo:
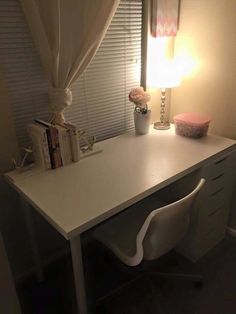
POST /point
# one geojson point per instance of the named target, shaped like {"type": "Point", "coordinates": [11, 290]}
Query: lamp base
{"type": "Point", "coordinates": [161, 125]}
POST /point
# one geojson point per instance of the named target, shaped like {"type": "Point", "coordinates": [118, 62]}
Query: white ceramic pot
{"type": "Point", "coordinates": [142, 122]}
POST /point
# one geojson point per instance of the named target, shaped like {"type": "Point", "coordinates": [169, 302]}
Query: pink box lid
{"type": "Point", "coordinates": [192, 118]}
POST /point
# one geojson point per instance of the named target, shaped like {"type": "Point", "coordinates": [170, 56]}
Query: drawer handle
{"type": "Point", "coordinates": [217, 191]}
{"type": "Point", "coordinates": [217, 177]}
{"type": "Point", "coordinates": [220, 161]}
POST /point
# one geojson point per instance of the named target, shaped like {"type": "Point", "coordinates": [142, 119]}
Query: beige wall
{"type": "Point", "coordinates": [208, 30]}
{"type": "Point", "coordinates": [11, 222]}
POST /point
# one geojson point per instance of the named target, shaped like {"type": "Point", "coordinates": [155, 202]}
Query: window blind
{"type": "Point", "coordinates": [100, 96]}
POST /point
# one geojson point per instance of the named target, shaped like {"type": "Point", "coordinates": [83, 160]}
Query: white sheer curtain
{"type": "Point", "coordinates": [67, 34]}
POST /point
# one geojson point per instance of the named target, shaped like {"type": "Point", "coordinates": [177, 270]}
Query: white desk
{"type": "Point", "coordinates": [77, 197]}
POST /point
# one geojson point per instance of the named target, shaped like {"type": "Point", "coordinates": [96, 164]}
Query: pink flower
{"type": "Point", "coordinates": [139, 97]}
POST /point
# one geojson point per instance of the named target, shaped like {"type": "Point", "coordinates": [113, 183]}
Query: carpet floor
{"type": "Point", "coordinates": [145, 295]}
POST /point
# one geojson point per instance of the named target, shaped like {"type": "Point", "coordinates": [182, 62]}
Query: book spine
{"type": "Point", "coordinates": [61, 144]}
{"type": "Point", "coordinates": [40, 133]}
{"type": "Point", "coordinates": [62, 133]}
{"type": "Point", "coordinates": [67, 156]}
{"type": "Point", "coordinates": [46, 150]}
{"type": "Point", "coordinates": [74, 145]}
{"type": "Point", "coordinates": [50, 148]}
{"type": "Point", "coordinates": [37, 141]}
{"type": "Point", "coordinates": [56, 147]}
{"type": "Point", "coordinates": [49, 141]}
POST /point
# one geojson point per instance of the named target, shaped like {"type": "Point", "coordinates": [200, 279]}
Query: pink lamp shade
{"type": "Point", "coordinates": [164, 17]}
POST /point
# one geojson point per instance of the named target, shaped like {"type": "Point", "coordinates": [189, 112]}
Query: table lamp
{"type": "Point", "coordinates": [166, 79]}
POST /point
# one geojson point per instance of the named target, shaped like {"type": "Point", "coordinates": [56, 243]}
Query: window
{"type": "Point", "coordinates": [100, 103]}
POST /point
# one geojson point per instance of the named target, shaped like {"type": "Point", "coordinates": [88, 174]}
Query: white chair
{"type": "Point", "coordinates": [145, 232]}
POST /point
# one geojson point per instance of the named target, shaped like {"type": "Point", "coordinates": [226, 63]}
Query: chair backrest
{"type": "Point", "coordinates": [166, 226]}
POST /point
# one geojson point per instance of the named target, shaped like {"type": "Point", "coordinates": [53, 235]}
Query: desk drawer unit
{"type": "Point", "coordinates": [210, 211]}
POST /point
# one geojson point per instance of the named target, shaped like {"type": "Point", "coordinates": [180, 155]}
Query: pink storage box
{"type": "Point", "coordinates": [191, 125]}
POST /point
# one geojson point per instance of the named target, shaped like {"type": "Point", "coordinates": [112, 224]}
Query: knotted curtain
{"type": "Point", "coordinates": [67, 34]}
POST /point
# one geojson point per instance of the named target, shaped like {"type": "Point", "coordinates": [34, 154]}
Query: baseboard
{"type": "Point", "coordinates": [231, 231]}
{"type": "Point", "coordinates": [46, 262]}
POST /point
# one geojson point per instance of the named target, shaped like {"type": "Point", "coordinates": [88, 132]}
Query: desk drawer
{"type": "Point", "coordinates": [206, 243]}
{"type": "Point", "coordinates": [217, 185]}
{"type": "Point", "coordinates": [210, 211]}
{"type": "Point", "coordinates": [214, 219]}
{"type": "Point", "coordinates": [212, 206]}
{"type": "Point", "coordinates": [214, 193]}
{"type": "Point", "coordinates": [218, 188]}
{"type": "Point", "coordinates": [220, 166]}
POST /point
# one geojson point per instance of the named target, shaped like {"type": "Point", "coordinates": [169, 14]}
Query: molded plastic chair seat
{"type": "Point", "coordinates": [148, 229]}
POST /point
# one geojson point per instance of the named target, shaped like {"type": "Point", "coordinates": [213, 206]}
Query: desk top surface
{"type": "Point", "coordinates": [76, 197]}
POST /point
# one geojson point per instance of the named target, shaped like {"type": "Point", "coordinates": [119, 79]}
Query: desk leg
{"type": "Point", "coordinates": [33, 243]}
{"type": "Point", "coordinates": [76, 253]}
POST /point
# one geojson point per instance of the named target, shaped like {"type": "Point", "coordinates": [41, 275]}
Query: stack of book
{"type": "Point", "coordinates": [54, 145]}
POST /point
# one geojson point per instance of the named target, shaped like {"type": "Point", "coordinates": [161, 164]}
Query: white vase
{"type": "Point", "coordinates": [142, 122]}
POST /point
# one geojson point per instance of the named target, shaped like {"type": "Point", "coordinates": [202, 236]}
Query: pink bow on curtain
{"type": "Point", "coordinates": [67, 35]}
{"type": "Point", "coordinates": [164, 18]}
